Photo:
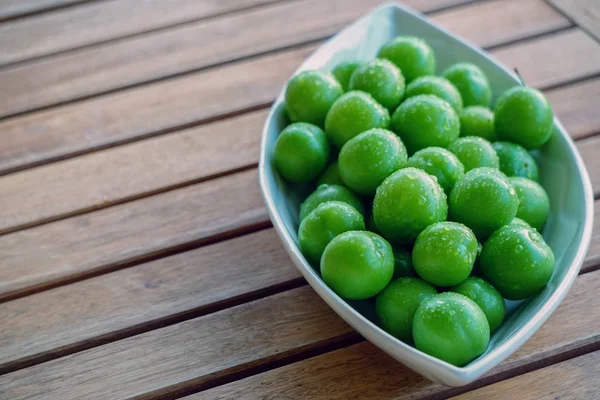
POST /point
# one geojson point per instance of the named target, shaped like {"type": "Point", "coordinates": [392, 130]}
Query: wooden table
{"type": "Point", "coordinates": [136, 256]}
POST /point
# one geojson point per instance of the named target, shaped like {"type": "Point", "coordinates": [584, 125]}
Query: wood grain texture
{"type": "Point", "coordinates": [78, 315]}
{"type": "Point", "coordinates": [364, 372]}
{"type": "Point", "coordinates": [16, 8]}
{"type": "Point", "coordinates": [577, 107]}
{"type": "Point", "coordinates": [84, 183]}
{"type": "Point", "coordinates": [105, 239]}
{"type": "Point", "coordinates": [106, 177]}
{"type": "Point", "coordinates": [585, 13]}
{"type": "Point", "coordinates": [573, 379]}
{"type": "Point", "coordinates": [176, 103]}
{"type": "Point", "coordinates": [115, 65]}
{"type": "Point", "coordinates": [192, 352]}
{"type": "Point", "coordinates": [589, 150]}
{"type": "Point", "coordinates": [101, 21]}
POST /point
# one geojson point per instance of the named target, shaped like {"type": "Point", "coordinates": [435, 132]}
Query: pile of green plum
{"type": "Point", "coordinates": [427, 200]}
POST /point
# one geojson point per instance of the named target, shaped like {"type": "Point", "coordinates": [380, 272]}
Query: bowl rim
{"type": "Point", "coordinates": [452, 374]}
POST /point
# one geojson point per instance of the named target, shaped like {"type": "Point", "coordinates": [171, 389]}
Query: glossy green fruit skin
{"type": "Point", "coordinates": [471, 82]}
{"type": "Point", "coordinates": [484, 200]}
{"type": "Point", "coordinates": [397, 304]}
{"type": "Point", "coordinates": [475, 152]}
{"type": "Point", "coordinates": [357, 265]}
{"type": "Point", "coordinates": [444, 253]}
{"type": "Point", "coordinates": [354, 113]}
{"type": "Point", "coordinates": [517, 261]}
{"type": "Point", "coordinates": [435, 86]}
{"type": "Point", "coordinates": [309, 96]}
{"type": "Point", "coordinates": [301, 152]}
{"type": "Point", "coordinates": [331, 176]}
{"type": "Point", "coordinates": [424, 121]}
{"type": "Point", "coordinates": [487, 298]}
{"type": "Point", "coordinates": [523, 116]}
{"type": "Point", "coordinates": [441, 163]}
{"type": "Point", "coordinates": [343, 71]}
{"type": "Point", "coordinates": [412, 55]}
{"type": "Point", "coordinates": [325, 193]}
{"type": "Point", "coordinates": [406, 203]}
{"type": "Point", "coordinates": [478, 121]}
{"type": "Point", "coordinates": [382, 80]}
{"type": "Point", "coordinates": [323, 224]}
{"type": "Point", "coordinates": [451, 327]}
{"type": "Point", "coordinates": [534, 204]}
{"type": "Point", "coordinates": [403, 266]}
{"type": "Point", "coordinates": [515, 160]}
{"type": "Point", "coordinates": [519, 221]}
{"type": "Point", "coordinates": [367, 159]}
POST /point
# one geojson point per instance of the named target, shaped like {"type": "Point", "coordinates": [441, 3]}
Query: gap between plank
{"type": "Point", "coordinates": [46, 10]}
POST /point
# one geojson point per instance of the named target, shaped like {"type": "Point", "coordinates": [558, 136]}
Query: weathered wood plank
{"type": "Point", "coordinates": [16, 8]}
{"type": "Point", "coordinates": [103, 240]}
{"type": "Point", "coordinates": [362, 371]}
{"type": "Point", "coordinates": [201, 350]}
{"type": "Point", "coordinates": [191, 354]}
{"type": "Point", "coordinates": [573, 379]}
{"type": "Point", "coordinates": [585, 13]}
{"type": "Point", "coordinates": [76, 316]}
{"type": "Point", "coordinates": [115, 65]}
{"type": "Point", "coordinates": [101, 21]}
{"type": "Point", "coordinates": [589, 150]}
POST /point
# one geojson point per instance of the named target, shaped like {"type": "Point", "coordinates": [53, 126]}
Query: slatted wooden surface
{"type": "Point", "coordinates": [136, 256]}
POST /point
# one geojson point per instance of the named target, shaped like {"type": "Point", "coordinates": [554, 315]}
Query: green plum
{"type": "Point", "coordinates": [534, 204]}
{"type": "Point", "coordinates": [309, 96]}
{"type": "Point", "coordinates": [331, 176]}
{"type": "Point", "coordinates": [424, 121]}
{"type": "Point", "coordinates": [301, 152]}
{"type": "Point", "coordinates": [324, 223]}
{"type": "Point", "coordinates": [403, 266]}
{"type": "Point", "coordinates": [515, 160]}
{"type": "Point", "coordinates": [484, 200]}
{"type": "Point", "coordinates": [519, 221]}
{"type": "Point", "coordinates": [474, 152]}
{"type": "Point", "coordinates": [353, 113]}
{"type": "Point", "coordinates": [412, 55]}
{"type": "Point", "coordinates": [471, 82]}
{"type": "Point", "coordinates": [524, 116]}
{"type": "Point", "coordinates": [367, 159]}
{"type": "Point", "coordinates": [477, 121]}
{"type": "Point", "coordinates": [436, 86]}
{"type": "Point", "coordinates": [343, 71]}
{"type": "Point", "coordinates": [441, 163]}
{"type": "Point", "coordinates": [357, 265]}
{"type": "Point", "coordinates": [407, 202]}
{"type": "Point", "coordinates": [444, 253]}
{"type": "Point", "coordinates": [487, 298]}
{"type": "Point", "coordinates": [325, 193]}
{"type": "Point", "coordinates": [382, 80]}
{"type": "Point", "coordinates": [517, 261]}
{"type": "Point", "coordinates": [451, 327]}
{"type": "Point", "coordinates": [397, 304]}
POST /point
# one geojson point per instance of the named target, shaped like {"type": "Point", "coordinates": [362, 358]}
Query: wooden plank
{"type": "Point", "coordinates": [104, 178]}
{"type": "Point", "coordinates": [164, 106]}
{"type": "Point", "coordinates": [577, 107]}
{"type": "Point", "coordinates": [202, 350]}
{"type": "Point", "coordinates": [115, 65]}
{"type": "Point", "coordinates": [191, 355]}
{"type": "Point", "coordinates": [101, 21]}
{"type": "Point", "coordinates": [362, 371]}
{"type": "Point", "coordinates": [106, 239]}
{"type": "Point", "coordinates": [585, 13]}
{"type": "Point", "coordinates": [84, 183]}
{"type": "Point", "coordinates": [589, 150]}
{"type": "Point", "coordinates": [123, 302]}
{"type": "Point", "coordinates": [17, 8]}
{"type": "Point", "coordinates": [573, 379]}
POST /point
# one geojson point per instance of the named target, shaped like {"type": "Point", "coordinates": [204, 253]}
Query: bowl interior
{"type": "Point", "coordinates": [561, 173]}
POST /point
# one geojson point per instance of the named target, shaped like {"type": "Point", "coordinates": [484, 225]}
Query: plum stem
{"type": "Point", "coordinates": [520, 77]}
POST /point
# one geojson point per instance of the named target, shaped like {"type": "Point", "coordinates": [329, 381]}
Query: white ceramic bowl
{"type": "Point", "coordinates": [563, 175]}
